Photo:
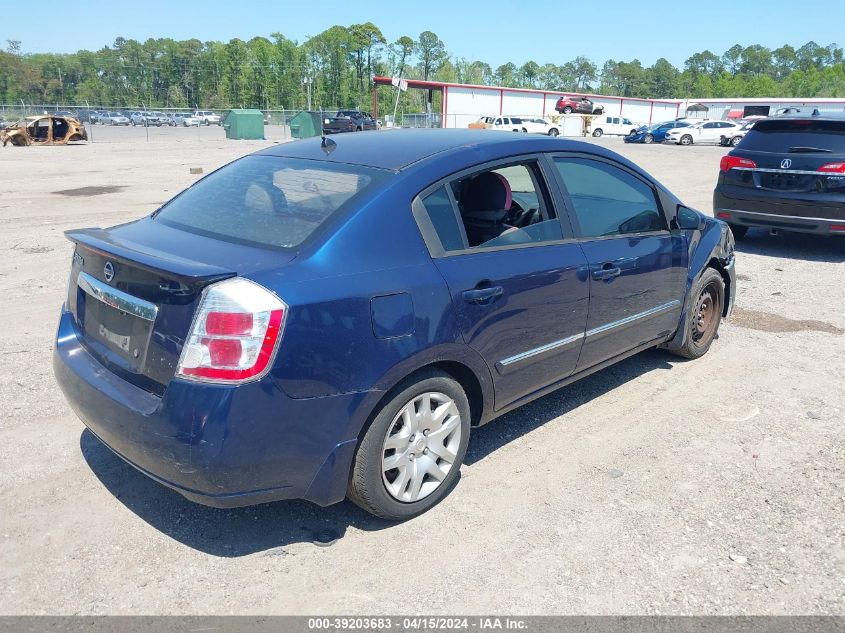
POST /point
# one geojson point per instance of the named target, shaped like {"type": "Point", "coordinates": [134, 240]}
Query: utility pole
{"type": "Point", "coordinates": [307, 81]}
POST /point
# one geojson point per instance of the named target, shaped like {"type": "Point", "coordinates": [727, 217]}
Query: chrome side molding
{"type": "Point", "coordinates": [540, 350]}
{"type": "Point", "coordinates": [634, 317]}
{"type": "Point", "coordinates": [602, 329]}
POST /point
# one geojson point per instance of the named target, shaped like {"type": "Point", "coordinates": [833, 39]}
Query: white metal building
{"type": "Point", "coordinates": [462, 104]}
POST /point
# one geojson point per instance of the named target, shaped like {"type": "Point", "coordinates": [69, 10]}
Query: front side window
{"type": "Point", "coordinates": [608, 200]}
{"type": "Point", "coordinates": [502, 206]}
{"type": "Point", "coordinates": [268, 200]}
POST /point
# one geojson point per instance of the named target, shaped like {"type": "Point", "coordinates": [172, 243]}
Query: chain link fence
{"type": "Point", "coordinates": [276, 122]}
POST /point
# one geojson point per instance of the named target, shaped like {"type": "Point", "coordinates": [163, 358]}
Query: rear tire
{"type": "Point", "coordinates": [524, 131]}
{"type": "Point", "coordinates": [738, 230]}
{"type": "Point", "coordinates": [426, 457]}
{"type": "Point", "coordinates": [567, 110]}
{"type": "Point", "coordinates": [704, 314]}
{"type": "Point", "coordinates": [598, 132]}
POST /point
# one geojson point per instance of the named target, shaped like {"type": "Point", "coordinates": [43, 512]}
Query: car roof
{"type": "Point", "coordinates": [397, 149]}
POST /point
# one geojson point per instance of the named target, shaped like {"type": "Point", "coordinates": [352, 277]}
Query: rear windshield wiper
{"type": "Point", "coordinates": [808, 150]}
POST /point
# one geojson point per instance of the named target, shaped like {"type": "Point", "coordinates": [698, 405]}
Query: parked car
{"type": "Point", "coordinates": [164, 118]}
{"type": "Point", "coordinates": [45, 129]}
{"type": "Point", "coordinates": [790, 111]}
{"type": "Point", "coordinates": [655, 133]}
{"type": "Point", "coordinates": [787, 174]}
{"type": "Point", "coordinates": [579, 105]}
{"type": "Point", "coordinates": [295, 326]}
{"type": "Point", "coordinates": [511, 124]}
{"type": "Point", "coordinates": [348, 121]}
{"type": "Point", "coordinates": [186, 119]}
{"type": "Point", "coordinates": [539, 125]}
{"type": "Point", "coordinates": [616, 125]}
{"type": "Point", "coordinates": [113, 118]}
{"type": "Point", "coordinates": [733, 137]}
{"type": "Point", "coordinates": [704, 132]}
{"type": "Point", "coordinates": [207, 117]}
{"type": "Point", "coordinates": [149, 119]}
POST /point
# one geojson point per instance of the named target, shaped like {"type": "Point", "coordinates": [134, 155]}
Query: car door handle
{"type": "Point", "coordinates": [482, 296]}
{"type": "Point", "coordinates": [606, 272]}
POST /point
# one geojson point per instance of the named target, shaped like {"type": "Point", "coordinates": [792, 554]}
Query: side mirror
{"type": "Point", "coordinates": [688, 219]}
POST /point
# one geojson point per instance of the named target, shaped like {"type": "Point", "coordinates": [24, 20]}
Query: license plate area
{"type": "Point", "coordinates": [124, 335]}
{"type": "Point", "coordinates": [777, 181]}
{"type": "Point", "coordinates": [117, 325]}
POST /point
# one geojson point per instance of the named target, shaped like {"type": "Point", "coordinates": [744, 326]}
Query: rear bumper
{"type": "Point", "coordinates": [218, 446]}
{"type": "Point", "coordinates": [822, 217]}
{"type": "Point", "coordinates": [820, 226]}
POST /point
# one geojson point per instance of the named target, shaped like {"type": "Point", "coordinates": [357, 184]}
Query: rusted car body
{"type": "Point", "coordinates": [44, 129]}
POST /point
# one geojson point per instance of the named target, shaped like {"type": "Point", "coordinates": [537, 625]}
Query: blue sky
{"type": "Point", "coordinates": [494, 31]}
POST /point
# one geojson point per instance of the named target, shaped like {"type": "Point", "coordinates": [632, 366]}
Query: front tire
{"type": "Point", "coordinates": [686, 139]}
{"type": "Point", "coordinates": [553, 132]}
{"type": "Point", "coordinates": [410, 456]}
{"type": "Point", "coordinates": [648, 139]}
{"type": "Point", "coordinates": [704, 314]}
{"type": "Point", "coordinates": [598, 132]}
{"type": "Point", "coordinates": [735, 141]}
{"type": "Point", "coordinates": [567, 110]}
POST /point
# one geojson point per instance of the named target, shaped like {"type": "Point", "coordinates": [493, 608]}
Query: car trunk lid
{"type": "Point", "coordinates": [133, 293]}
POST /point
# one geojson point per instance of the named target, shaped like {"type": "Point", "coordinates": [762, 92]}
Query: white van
{"type": "Point", "coordinates": [606, 124]}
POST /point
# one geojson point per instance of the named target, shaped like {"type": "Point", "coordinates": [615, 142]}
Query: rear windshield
{"type": "Point", "coordinates": [268, 200]}
{"type": "Point", "coordinates": [781, 135]}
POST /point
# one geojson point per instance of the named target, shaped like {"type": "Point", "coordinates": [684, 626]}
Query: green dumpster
{"type": "Point", "coordinates": [244, 124]}
{"type": "Point", "coordinates": [306, 124]}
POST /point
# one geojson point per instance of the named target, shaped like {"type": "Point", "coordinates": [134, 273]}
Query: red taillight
{"type": "Point", "coordinates": [837, 228]}
{"type": "Point", "coordinates": [833, 168]}
{"type": "Point", "coordinates": [732, 162]}
{"type": "Point", "coordinates": [228, 323]}
{"type": "Point", "coordinates": [723, 216]}
{"type": "Point", "coordinates": [235, 333]}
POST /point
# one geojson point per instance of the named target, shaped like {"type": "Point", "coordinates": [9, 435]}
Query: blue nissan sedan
{"type": "Point", "coordinates": [327, 319]}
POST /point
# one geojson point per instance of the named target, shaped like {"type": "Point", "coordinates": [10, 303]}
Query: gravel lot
{"type": "Point", "coordinates": [655, 486]}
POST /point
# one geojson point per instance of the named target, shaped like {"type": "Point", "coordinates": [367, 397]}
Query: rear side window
{"type": "Point", "coordinates": [443, 219]}
{"type": "Point", "coordinates": [609, 201]}
{"type": "Point", "coordinates": [268, 200]}
{"type": "Point", "coordinates": [783, 135]}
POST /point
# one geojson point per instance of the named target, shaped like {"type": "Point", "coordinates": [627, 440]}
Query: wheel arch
{"type": "Point", "coordinates": [707, 250]}
{"type": "Point", "coordinates": [468, 370]}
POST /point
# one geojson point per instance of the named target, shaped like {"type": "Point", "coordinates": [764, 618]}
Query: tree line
{"type": "Point", "coordinates": [336, 67]}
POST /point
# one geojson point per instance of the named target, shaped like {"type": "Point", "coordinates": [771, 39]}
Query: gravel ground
{"type": "Point", "coordinates": [655, 486]}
